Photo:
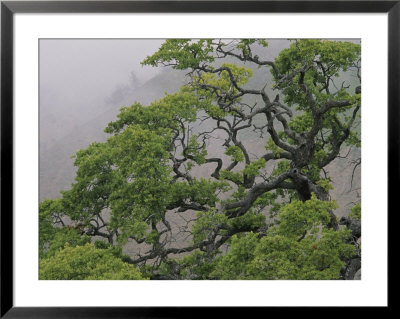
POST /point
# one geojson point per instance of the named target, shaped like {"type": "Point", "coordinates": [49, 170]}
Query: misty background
{"type": "Point", "coordinates": [80, 79]}
{"type": "Point", "coordinates": [83, 84]}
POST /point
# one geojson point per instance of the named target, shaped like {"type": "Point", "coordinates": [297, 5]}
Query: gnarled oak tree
{"type": "Point", "coordinates": [225, 178]}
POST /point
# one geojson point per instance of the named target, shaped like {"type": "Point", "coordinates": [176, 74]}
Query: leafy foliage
{"type": "Point", "coordinates": [86, 263]}
{"type": "Point", "coordinates": [281, 257]}
{"type": "Point", "coordinates": [355, 212]}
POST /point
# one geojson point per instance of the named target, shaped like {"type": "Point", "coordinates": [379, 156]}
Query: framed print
{"type": "Point", "coordinates": [160, 155]}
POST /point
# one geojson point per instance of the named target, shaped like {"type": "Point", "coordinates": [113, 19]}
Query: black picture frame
{"type": "Point", "coordinates": [9, 8]}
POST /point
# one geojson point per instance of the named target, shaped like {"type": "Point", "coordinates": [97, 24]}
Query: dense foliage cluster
{"type": "Point", "coordinates": [223, 179]}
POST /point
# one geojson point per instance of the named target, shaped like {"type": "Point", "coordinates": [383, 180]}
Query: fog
{"type": "Point", "coordinates": [92, 68]}
{"type": "Point", "coordinates": [81, 78]}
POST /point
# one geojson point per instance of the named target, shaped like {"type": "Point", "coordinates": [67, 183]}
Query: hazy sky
{"type": "Point", "coordinates": [93, 64]}
{"type": "Point", "coordinates": [79, 78]}
{"type": "Point", "coordinates": [81, 74]}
